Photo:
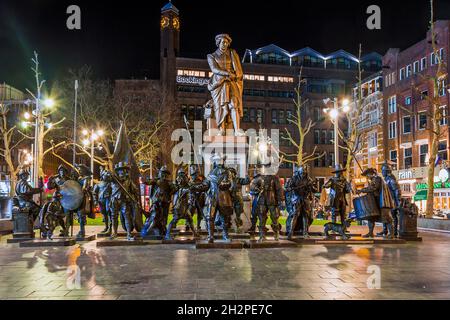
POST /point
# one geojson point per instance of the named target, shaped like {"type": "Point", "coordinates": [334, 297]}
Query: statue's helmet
{"type": "Point", "coordinates": [163, 172]}
{"type": "Point", "coordinates": [218, 159]}
{"type": "Point", "coordinates": [299, 170]}
{"type": "Point", "coordinates": [193, 170]}
{"type": "Point", "coordinates": [121, 166]}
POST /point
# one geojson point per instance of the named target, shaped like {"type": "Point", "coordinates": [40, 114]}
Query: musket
{"type": "Point", "coordinates": [114, 177]}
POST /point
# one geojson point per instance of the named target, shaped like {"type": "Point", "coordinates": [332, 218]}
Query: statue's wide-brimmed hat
{"type": "Point", "coordinates": [338, 168]}
{"type": "Point", "coordinates": [23, 171]}
{"type": "Point", "coordinates": [83, 169]}
{"type": "Point", "coordinates": [223, 36]}
{"type": "Point", "coordinates": [62, 167]}
{"type": "Point", "coordinates": [386, 166]}
{"type": "Point", "coordinates": [369, 171]}
{"type": "Point", "coordinates": [181, 172]}
{"type": "Point", "coordinates": [121, 165]}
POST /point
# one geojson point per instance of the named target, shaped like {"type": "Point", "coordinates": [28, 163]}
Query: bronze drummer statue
{"type": "Point", "coordinates": [383, 200]}
{"type": "Point", "coordinates": [226, 84]}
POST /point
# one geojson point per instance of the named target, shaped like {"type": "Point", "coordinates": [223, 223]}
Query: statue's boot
{"type": "Point", "coordinates": [262, 234]}
{"type": "Point", "coordinates": [106, 226]}
{"type": "Point", "coordinates": [276, 235]}
{"type": "Point", "coordinates": [210, 231]}
{"type": "Point", "coordinates": [115, 226]}
{"type": "Point", "coordinates": [371, 225]}
{"type": "Point", "coordinates": [225, 236]}
{"type": "Point", "coordinates": [384, 232]}
{"type": "Point", "coordinates": [390, 229]}
{"type": "Point", "coordinates": [305, 227]}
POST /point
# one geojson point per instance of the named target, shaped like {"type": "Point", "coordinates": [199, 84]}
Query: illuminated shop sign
{"type": "Point", "coordinates": [437, 185]}
{"type": "Point", "coordinates": [192, 80]}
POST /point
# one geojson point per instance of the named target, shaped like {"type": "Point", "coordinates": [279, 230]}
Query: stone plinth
{"type": "Point", "coordinates": [217, 244]}
{"type": "Point", "coordinates": [63, 242]}
{"type": "Point", "coordinates": [254, 244]}
{"type": "Point", "coordinates": [120, 243]}
{"type": "Point", "coordinates": [180, 240]}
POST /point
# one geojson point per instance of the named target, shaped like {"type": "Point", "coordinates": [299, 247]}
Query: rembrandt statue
{"type": "Point", "coordinates": [226, 85]}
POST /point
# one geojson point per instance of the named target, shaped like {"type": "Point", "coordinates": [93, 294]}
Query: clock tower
{"type": "Point", "coordinates": [169, 50]}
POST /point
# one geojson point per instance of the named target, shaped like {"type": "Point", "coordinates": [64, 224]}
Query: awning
{"type": "Point", "coordinates": [421, 195]}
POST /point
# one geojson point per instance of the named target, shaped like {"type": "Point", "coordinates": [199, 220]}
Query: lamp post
{"type": "Point", "coordinates": [39, 127]}
{"type": "Point", "coordinates": [334, 114]}
{"type": "Point", "coordinates": [90, 137]}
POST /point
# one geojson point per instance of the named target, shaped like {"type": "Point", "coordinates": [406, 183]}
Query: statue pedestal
{"type": "Point", "coordinates": [67, 242]}
{"type": "Point", "coordinates": [408, 226]}
{"type": "Point", "coordinates": [22, 226]}
{"type": "Point", "coordinates": [233, 147]}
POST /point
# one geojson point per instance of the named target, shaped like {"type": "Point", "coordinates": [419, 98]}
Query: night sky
{"type": "Point", "coordinates": [121, 39]}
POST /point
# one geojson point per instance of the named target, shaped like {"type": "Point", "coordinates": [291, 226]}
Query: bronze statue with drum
{"type": "Point", "coordinates": [376, 205]}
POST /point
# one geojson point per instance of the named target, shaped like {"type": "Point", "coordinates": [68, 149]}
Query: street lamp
{"type": "Point", "coordinates": [334, 114]}
{"type": "Point", "coordinates": [39, 124]}
{"type": "Point", "coordinates": [90, 138]}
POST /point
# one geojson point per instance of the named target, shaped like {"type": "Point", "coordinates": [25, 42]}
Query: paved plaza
{"type": "Point", "coordinates": [416, 270]}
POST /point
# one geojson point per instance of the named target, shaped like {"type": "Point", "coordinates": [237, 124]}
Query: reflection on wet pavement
{"type": "Point", "coordinates": [412, 271]}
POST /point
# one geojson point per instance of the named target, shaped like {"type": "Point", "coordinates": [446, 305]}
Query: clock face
{"type": "Point", "coordinates": [176, 23]}
{"type": "Point", "coordinates": [164, 22]}
{"type": "Point", "coordinates": [443, 175]}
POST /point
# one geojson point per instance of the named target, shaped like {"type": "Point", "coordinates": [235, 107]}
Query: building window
{"type": "Point", "coordinates": [423, 63]}
{"type": "Point", "coordinates": [423, 153]}
{"type": "Point", "coordinates": [372, 141]}
{"type": "Point", "coordinates": [254, 77]}
{"type": "Point", "coordinates": [192, 73]}
{"type": "Point", "coordinates": [323, 138]}
{"type": "Point", "coordinates": [260, 116]}
{"type": "Point", "coordinates": [444, 119]}
{"type": "Point", "coordinates": [280, 79]}
{"type": "Point", "coordinates": [442, 87]}
{"type": "Point", "coordinates": [316, 136]}
{"type": "Point", "coordinates": [330, 159]}
{"type": "Point", "coordinates": [393, 158]}
{"type": "Point", "coordinates": [442, 149]}
{"type": "Point", "coordinates": [402, 74]}
{"type": "Point", "coordinates": [416, 67]}
{"type": "Point", "coordinates": [252, 115]}
{"type": "Point", "coordinates": [275, 116]}
{"type": "Point", "coordinates": [408, 71]}
{"type": "Point", "coordinates": [423, 94]}
{"type": "Point", "coordinates": [406, 125]}
{"type": "Point", "coordinates": [330, 136]}
{"type": "Point", "coordinates": [407, 159]}
{"type": "Point", "coordinates": [317, 114]}
{"type": "Point", "coordinates": [392, 130]}
{"type": "Point", "coordinates": [441, 54]}
{"type": "Point", "coordinates": [422, 120]}
{"type": "Point", "coordinates": [281, 117]}
{"type": "Point", "coordinates": [408, 101]}
{"type": "Point", "coordinates": [318, 162]}
{"type": "Point", "coordinates": [392, 104]}
{"type": "Point", "coordinates": [245, 117]}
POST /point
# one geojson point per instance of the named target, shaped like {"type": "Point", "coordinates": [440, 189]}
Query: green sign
{"type": "Point", "coordinates": [437, 185]}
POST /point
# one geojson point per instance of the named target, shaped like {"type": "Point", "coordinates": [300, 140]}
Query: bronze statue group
{"type": "Point", "coordinates": [216, 199]}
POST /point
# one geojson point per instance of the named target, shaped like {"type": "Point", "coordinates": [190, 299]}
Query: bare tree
{"type": "Point", "coordinates": [303, 128]}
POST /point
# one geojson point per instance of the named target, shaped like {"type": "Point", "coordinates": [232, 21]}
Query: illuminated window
{"type": "Point", "coordinates": [254, 77]}
{"type": "Point", "coordinates": [192, 73]}
{"type": "Point", "coordinates": [280, 79]}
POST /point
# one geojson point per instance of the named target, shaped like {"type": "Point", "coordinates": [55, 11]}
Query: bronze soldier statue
{"type": "Point", "coordinates": [123, 197]}
{"type": "Point", "coordinates": [161, 195]}
{"type": "Point", "coordinates": [180, 204]}
{"type": "Point", "coordinates": [236, 194]}
{"type": "Point", "coordinates": [301, 189]}
{"type": "Point", "coordinates": [383, 199]}
{"type": "Point", "coordinates": [84, 178]}
{"type": "Point", "coordinates": [102, 197]}
{"type": "Point", "coordinates": [218, 197]}
{"type": "Point", "coordinates": [23, 199]}
{"type": "Point", "coordinates": [396, 194]}
{"type": "Point", "coordinates": [64, 218]}
{"type": "Point", "coordinates": [268, 198]}
{"type": "Point", "coordinates": [339, 188]}
{"type": "Point", "coordinates": [196, 198]}
{"type": "Point", "coordinates": [254, 211]}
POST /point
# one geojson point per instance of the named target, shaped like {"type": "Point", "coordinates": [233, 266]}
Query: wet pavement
{"type": "Point", "coordinates": [417, 270]}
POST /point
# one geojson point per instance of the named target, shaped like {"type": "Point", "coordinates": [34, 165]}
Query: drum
{"type": "Point", "coordinates": [366, 207]}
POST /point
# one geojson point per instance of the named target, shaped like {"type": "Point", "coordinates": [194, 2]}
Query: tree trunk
{"type": "Point", "coordinates": [432, 161]}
